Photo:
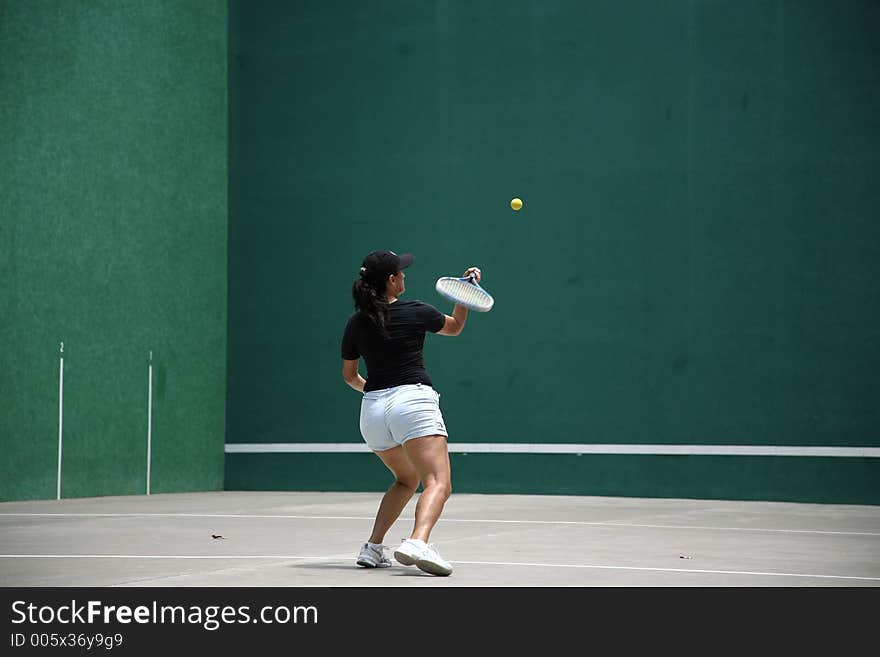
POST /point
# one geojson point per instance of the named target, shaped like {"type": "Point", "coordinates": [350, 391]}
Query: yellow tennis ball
{"type": "Point", "coordinates": [516, 203]}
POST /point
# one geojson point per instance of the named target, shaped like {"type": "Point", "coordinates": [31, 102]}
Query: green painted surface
{"type": "Point", "coordinates": [784, 479]}
{"type": "Point", "coordinates": [697, 260]}
{"type": "Point", "coordinates": [113, 217]}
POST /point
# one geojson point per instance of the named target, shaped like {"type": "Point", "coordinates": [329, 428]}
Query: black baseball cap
{"type": "Point", "coordinates": [379, 265]}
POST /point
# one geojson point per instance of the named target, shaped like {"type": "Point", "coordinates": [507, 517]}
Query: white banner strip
{"type": "Point", "coordinates": [557, 448]}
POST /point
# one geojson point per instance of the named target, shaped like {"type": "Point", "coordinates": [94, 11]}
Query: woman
{"type": "Point", "coordinates": [400, 411]}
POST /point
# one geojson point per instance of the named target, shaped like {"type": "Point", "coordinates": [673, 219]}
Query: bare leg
{"type": "Point", "coordinates": [398, 494]}
{"type": "Point", "coordinates": [430, 457]}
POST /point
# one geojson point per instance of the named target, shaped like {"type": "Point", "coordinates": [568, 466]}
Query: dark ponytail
{"type": "Point", "coordinates": [371, 302]}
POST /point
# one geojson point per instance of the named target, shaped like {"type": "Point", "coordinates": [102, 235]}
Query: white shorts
{"type": "Point", "coordinates": [392, 416]}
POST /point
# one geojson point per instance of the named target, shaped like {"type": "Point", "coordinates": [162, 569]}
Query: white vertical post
{"type": "Point", "coordinates": [149, 421]}
{"type": "Point", "coordinates": [60, 415]}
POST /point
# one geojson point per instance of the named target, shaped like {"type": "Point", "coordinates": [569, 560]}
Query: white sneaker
{"type": "Point", "coordinates": [373, 558]}
{"type": "Point", "coordinates": [409, 551]}
{"type": "Point", "coordinates": [432, 562]}
{"type": "Point", "coordinates": [413, 551]}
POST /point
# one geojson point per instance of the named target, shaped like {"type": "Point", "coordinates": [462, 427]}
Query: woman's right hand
{"type": "Point", "coordinates": [475, 271]}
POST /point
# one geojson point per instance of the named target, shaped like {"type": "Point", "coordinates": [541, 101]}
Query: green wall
{"type": "Point", "coordinates": [785, 479]}
{"type": "Point", "coordinates": [113, 210]}
{"type": "Point", "coordinates": [697, 261]}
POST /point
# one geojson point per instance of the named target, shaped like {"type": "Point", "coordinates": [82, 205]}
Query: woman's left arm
{"type": "Point", "coordinates": [351, 374]}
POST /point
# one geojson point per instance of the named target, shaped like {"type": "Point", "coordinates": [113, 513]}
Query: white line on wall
{"type": "Point", "coordinates": [556, 448]}
{"type": "Point", "coordinates": [149, 421]}
{"type": "Point", "coordinates": [60, 416]}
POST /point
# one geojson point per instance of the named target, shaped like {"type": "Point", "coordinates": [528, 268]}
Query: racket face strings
{"type": "Point", "coordinates": [462, 291]}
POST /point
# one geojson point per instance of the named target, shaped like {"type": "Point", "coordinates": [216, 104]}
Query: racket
{"type": "Point", "coordinates": [465, 292]}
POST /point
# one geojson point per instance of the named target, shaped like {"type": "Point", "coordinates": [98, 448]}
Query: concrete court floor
{"type": "Point", "coordinates": [302, 539]}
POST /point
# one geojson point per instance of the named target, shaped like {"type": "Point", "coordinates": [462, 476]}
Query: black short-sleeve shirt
{"type": "Point", "coordinates": [397, 359]}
